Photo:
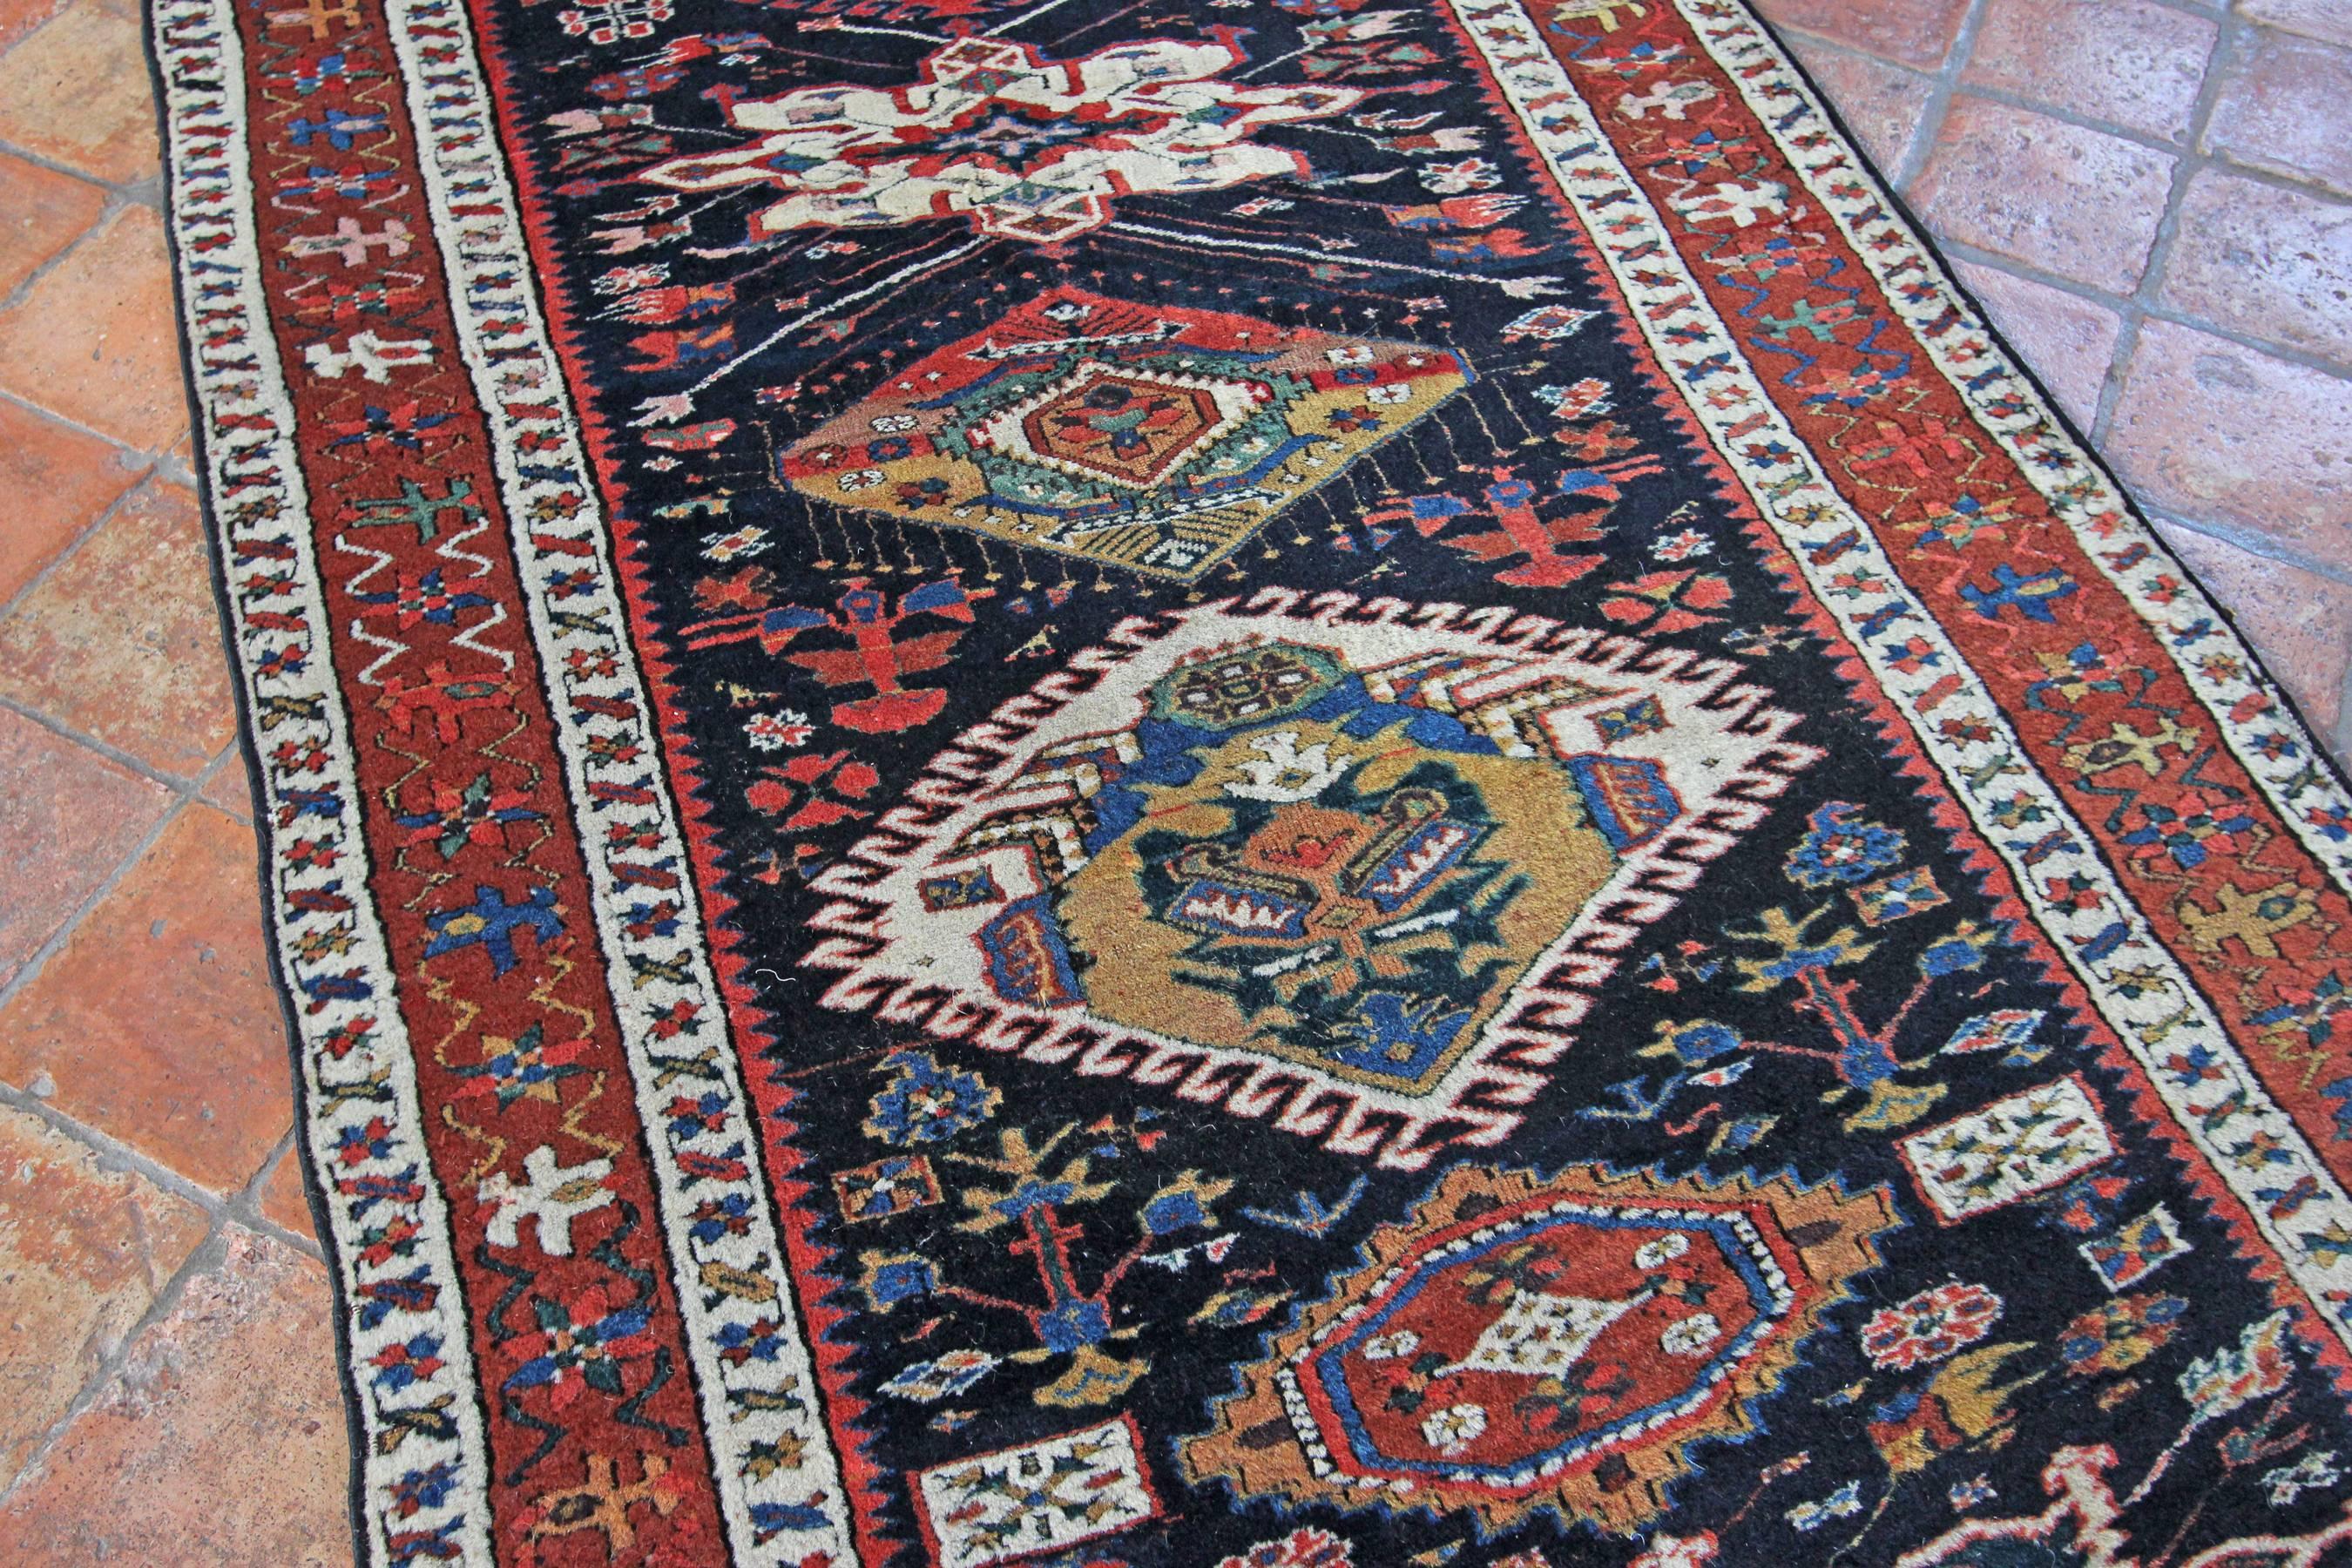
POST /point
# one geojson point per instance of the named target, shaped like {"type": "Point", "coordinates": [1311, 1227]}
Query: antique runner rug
{"type": "Point", "coordinates": [1251, 785]}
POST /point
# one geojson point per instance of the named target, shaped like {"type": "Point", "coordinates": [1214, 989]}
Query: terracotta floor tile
{"type": "Point", "coordinates": [2267, 262]}
{"type": "Point", "coordinates": [122, 641]}
{"type": "Point", "coordinates": [229, 789]}
{"type": "Point", "coordinates": [68, 818]}
{"type": "Point", "coordinates": [2208, 428]}
{"type": "Point", "coordinates": [18, 17]}
{"type": "Point", "coordinates": [41, 211]}
{"type": "Point", "coordinates": [1879, 102]}
{"type": "Point", "coordinates": [2067, 340]}
{"type": "Point", "coordinates": [77, 91]}
{"type": "Point", "coordinates": [2284, 109]}
{"type": "Point", "coordinates": [282, 1199]}
{"type": "Point", "coordinates": [222, 1442]}
{"type": "Point", "coordinates": [1915, 32]}
{"type": "Point", "coordinates": [157, 1020]}
{"type": "Point", "coordinates": [2129, 62]}
{"type": "Point", "coordinates": [83, 1253]}
{"type": "Point", "coordinates": [2299, 623]}
{"type": "Point", "coordinates": [2329, 19]}
{"type": "Point", "coordinates": [95, 339]}
{"type": "Point", "coordinates": [54, 479]}
{"type": "Point", "coordinates": [2078, 203]}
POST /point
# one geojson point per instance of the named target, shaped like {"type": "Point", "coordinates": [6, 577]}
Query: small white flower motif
{"type": "Point", "coordinates": [1453, 1429]}
{"type": "Point", "coordinates": [891, 424]}
{"type": "Point", "coordinates": [746, 541]}
{"type": "Point", "coordinates": [1353, 354]}
{"type": "Point", "coordinates": [1394, 393]}
{"type": "Point", "coordinates": [661, 465]}
{"type": "Point", "coordinates": [2312, 1471]}
{"type": "Point", "coordinates": [834, 247]}
{"type": "Point", "coordinates": [1452, 139]}
{"type": "Point", "coordinates": [1069, 310]}
{"type": "Point", "coordinates": [1454, 179]}
{"type": "Point", "coordinates": [1684, 546]}
{"type": "Point", "coordinates": [1662, 1250]}
{"type": "Point", "coordinates": [628, 280]}
{"type": "Point", "coordinates": [1258, 206]}
{"type": "Point", "coordinates": [1843, 1503]}
{"type": "Point", "coordinates": [1678, 1551]}
{"type": "Point", "coordinates": [1691, 1335]}
{"type": "Point", "coordinates": [774, 731]}
{"type": "Point", "coordinates": [861, 478]}
{"type": "Point", "coordinates": [1389, 1347]}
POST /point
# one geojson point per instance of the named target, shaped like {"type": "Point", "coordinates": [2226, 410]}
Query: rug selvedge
{"type": "Point", "coordinates": [607, 1300]}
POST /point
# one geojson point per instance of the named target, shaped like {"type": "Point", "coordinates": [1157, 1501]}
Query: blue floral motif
{"type": "Point", "coordinates": [1841, 847]}
{"type": "Point", "coordinates": [928, 1103]}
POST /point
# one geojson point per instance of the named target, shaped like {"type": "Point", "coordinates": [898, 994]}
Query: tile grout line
{"type": "Point", "coordinates": [186, 795]}
{"type": "Point", "coordinates": [1977, 256]}
{"type": "Point", "coordinates": [152, 452]}
{"type": "Point", "coordinates": [2191, 159]}
{"type": "Point", "coordinates": [146, 191]}
{"type": "Point", "coordinates": [240, 1209]}
{"type": "Point", "coordinates": [178, 783]}
{"type": "Point", "coordinates": [206, 1255]}
{"type": "Point", "coordinates": [2344, 715]}
{"type": "Point", "coordinates": [108, 210]}
{"type": "Point", "coordinates": [2245, 541]}
{"type": "Point", "coordinates": [73, 546]}
{"type": "Point", "coordinates": [2190, 156]}
{"type": "Point", "coordinates": [250, 1215]}
{"type": "Point", "coordinates": [142, 468]}
{"type": "Point", "coordinates": [1943, 83]}
{"type": "Point", "coordinates": [112, 1153]}
{"type": "Point", "coordinates": [2222, 162]}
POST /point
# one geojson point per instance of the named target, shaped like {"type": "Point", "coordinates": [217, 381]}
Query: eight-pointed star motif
{"type": "Point", "coordinates": [1029, 148]}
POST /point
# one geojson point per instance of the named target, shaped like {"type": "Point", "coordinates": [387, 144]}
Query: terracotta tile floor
{"type": "Point", "coordinates": [2154, 196]}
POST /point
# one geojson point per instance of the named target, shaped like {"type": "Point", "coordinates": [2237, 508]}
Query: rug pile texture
{"type": "Point", "coordinates": [1253, 785]}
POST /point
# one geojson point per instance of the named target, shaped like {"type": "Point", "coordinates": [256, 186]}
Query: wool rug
{"type": "Point", "coordinates": [1262, 785]}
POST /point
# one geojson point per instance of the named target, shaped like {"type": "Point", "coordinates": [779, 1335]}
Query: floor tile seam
{"type": "Point", "coordinates": [1942, 83]}
{"type": "Point", "coordinates": [238, 1210]}
{"type": "Point", "coordinates": [178, 783]}
{"type": "Point", "coordinates": [2147, 292]}
{"type": "Point", "coordinates": [147, 453]}
{"type": "Point", "coordinates": [82, 535]}
{"type": "Point", "coordinates": [2250, 543]}
{"type": "Point", "coordinates": [145, 190]}
{"type": "Point", "coordinates": [22, 981]}
{"type": "Point", "coordinates": [205, 1258]}
{"type": "Point", "coordinates": [111, 208]}
{"type": "Point", "coordinates": [1974, 254]}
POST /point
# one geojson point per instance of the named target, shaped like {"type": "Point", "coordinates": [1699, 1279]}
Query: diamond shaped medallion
{"type": "Point", "coordinates": [1347, 868]}
{"type": "Point", "coordinates": [1144, 436]}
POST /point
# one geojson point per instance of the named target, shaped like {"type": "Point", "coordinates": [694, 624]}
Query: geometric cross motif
{"type": "Point", "coordinates": [1036, 1498]}
{"type": "Point", "coordinates": [2011, 1149]}
{"type": "Point", "coordinates": [1352, 873]}
{"type": "Point", "coordinates": [1149, 437]}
